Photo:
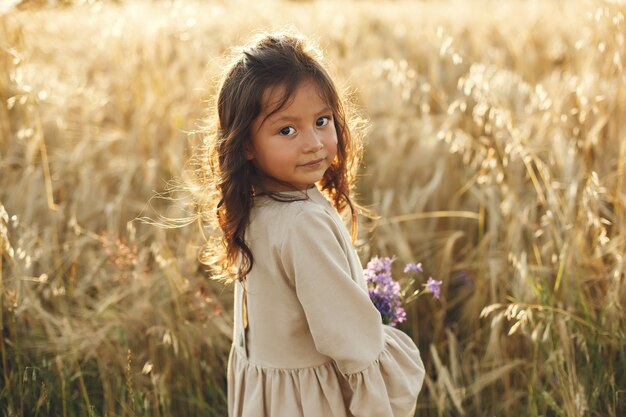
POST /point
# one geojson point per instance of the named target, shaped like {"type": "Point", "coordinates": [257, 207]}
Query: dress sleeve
{"type": "Point", "coordinates": [381, 364]}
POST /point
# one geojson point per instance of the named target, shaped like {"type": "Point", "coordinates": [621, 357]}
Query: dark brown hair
{"type": "Point", "coordinates": [270, 60]}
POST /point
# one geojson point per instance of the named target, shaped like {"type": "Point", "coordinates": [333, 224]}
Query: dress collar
{"type": "Point", "coordinates": [313, 193]}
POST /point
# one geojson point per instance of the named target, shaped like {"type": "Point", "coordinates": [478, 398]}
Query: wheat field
{"type": "Point", "coordinates": [495, 157]}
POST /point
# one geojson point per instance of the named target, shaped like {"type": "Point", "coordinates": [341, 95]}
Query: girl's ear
{"type": "Point", "coordinates": [249, 153]}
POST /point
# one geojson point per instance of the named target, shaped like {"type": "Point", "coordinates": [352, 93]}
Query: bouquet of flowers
{"type": "Point", "coordinates": [385, 292]}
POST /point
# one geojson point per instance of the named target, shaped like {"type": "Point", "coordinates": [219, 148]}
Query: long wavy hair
{"type": "Point", "coordinates": [269, 60]}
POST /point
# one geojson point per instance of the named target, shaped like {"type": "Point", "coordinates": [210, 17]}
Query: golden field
{"type": "Point", "coordinates": [496, 157]}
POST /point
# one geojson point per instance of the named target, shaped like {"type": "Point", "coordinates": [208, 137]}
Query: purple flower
{"type": "Point", "coordinates": [413, 267]}
{"type": "Point", "coordinates": [433, 286]}
{"type": "Point", "coordinates": [377, 264]}
{"type": "Point", "coordinates": [384, 291]}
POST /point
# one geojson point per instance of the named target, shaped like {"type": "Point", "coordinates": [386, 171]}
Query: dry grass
{"type": "Point", "coordinates": [496, 158]}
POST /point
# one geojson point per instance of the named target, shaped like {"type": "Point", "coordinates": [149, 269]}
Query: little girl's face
{"type": "Point", "coordinates": [296, 144]}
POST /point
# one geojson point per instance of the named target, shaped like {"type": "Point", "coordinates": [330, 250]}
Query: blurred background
{"type": "Point", "coordinates": [495, 157]}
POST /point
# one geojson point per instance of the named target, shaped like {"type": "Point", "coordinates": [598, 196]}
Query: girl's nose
{"type": "Point", "coordinates": [313, 142]}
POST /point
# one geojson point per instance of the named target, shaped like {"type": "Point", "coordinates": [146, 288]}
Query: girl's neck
{"type": "Point", "coordinates": [273, 186]}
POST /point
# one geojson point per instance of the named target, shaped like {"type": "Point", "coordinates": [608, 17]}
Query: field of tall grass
{"type": "Point", "coordinates": [496, 157]}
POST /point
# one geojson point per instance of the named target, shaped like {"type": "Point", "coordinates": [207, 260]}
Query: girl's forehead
{"type": "Point", "coordinates": [276, 97]}
{"type": "Point", "coordinates": [273, 96]}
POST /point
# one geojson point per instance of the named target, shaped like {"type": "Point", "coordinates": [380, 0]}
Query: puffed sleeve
{"type": "Point", "coordinates": [381, 364]}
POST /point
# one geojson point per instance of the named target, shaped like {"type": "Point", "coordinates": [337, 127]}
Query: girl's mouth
{"type": "Point", "coordinates": [313, 163]}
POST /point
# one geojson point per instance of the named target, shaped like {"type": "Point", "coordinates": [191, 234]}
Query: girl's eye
{"type": "Point", "coordinates": [287, 130]}
{"type": "Point", "coordinates": [322, 121]}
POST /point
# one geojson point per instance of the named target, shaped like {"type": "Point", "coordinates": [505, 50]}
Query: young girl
{"type": "Point", "coordinates": [307, 339]}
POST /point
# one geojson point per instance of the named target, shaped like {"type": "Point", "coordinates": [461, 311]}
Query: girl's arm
{"type": "Point", "coordinates": [381, 364]}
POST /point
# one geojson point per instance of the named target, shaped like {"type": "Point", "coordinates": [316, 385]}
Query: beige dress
{"type": "Point", "coordinates": [314, 345]}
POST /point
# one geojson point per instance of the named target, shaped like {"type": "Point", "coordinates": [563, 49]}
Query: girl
{"type": "Point", "coordinates": [307, 339]}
